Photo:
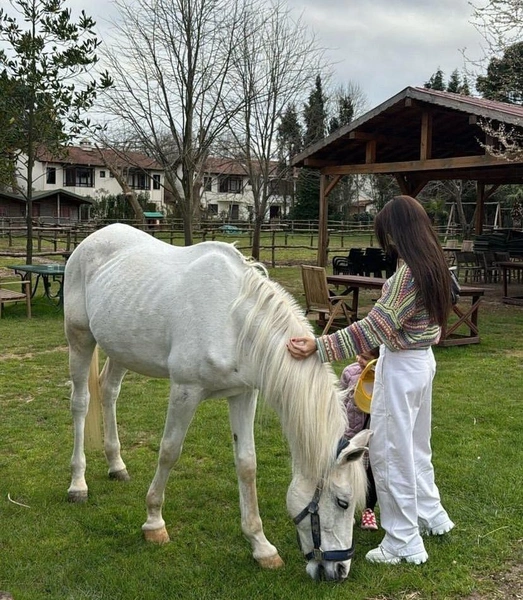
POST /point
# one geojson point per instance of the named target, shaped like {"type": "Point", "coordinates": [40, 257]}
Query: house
{"type": "Point", "coordinates": [55, 206]}
{"type": "Point", "coordinates": [86, 172]}
{"type": "Point", "coordinates": [227, 193]}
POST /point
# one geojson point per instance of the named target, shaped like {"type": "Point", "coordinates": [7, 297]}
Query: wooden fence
{"type": "Point", "coordinates": [276, 238]}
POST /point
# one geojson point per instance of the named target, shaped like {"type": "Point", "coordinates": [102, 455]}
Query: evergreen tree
{"type": "Point", "coordinates": [436, 81]}
{"type": "Point", "coordinates": [315, 115]}
{"type": "Point", "coordinates": [344, 113]}
{"type": "Point", "coordinates": [308, 184]}
{"type": "Point", "coordinates": [454, 83]}
{"type": "Point", "coordinates": [43, 65]}
{"type": "Point", "coordinates": [504, 78]}
{"type": "Point", "coordinates": [289, 140]}
{"type": "Point", "coordinates": [289, 137]}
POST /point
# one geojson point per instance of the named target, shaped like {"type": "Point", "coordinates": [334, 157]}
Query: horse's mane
{"type": "Point", "coordinates": [304, 393]}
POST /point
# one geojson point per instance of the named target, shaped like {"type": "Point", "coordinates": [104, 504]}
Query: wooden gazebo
{"type": "Point", "coordinates": [418, 135]}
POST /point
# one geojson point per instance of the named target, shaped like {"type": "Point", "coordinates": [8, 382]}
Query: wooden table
{"type": "Point", "coordinates": [353, 284]}
{"type": "Point", "coordinates": [465, 328]}
{"type": "Point", "coordinates": [506, 267]}
{"type": "Point", "coordinates": [462, 327]}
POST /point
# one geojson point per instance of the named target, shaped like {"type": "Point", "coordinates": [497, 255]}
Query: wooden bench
{"type": "Point", "coordinates": [8, 295]}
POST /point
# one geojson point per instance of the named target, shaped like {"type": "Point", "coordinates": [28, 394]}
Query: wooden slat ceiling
{"type": "Point", "coordinates": [424, 134]}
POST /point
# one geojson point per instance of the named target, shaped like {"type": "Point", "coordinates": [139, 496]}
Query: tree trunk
{"type": "Point", "coordinates": [256, 237]}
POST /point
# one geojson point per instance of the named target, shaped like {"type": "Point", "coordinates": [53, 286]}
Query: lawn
{"type": "Point", "coordinates": [50, 549]}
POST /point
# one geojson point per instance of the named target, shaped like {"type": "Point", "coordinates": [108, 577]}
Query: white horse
{"type": "Point", "coordinates": [216, 327]}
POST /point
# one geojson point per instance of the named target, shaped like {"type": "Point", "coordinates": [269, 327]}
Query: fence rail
{"type": "Point", "coordinates": [277, 239]}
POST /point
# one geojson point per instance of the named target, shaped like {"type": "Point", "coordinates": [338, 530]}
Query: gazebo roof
{"type": "Point", "coordinates": [420, 135]}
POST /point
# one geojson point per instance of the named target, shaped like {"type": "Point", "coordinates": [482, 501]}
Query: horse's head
{"type": "Point", "coordinates": [324, 512]}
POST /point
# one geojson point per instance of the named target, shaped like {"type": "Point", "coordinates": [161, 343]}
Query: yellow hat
{"type": "Point", "coordinates": [364, 387]}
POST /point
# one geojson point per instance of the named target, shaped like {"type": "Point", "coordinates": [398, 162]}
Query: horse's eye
{"type": "Point", "coordinates": [342, 503]}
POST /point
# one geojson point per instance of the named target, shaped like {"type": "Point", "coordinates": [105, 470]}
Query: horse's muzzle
{"type": "Point", "coordinates": [328, 570]}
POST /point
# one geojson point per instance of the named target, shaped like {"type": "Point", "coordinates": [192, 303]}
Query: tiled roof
{"type": "Point", "coordinates": [226, 166]}
{"type": "Point", "coordinates": [91, 156]}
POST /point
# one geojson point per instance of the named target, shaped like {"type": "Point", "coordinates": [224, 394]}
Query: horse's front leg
{"type": "Point", "coordinates": [182, 406]}
{"type": "Point", "coordinates": [242, 410]}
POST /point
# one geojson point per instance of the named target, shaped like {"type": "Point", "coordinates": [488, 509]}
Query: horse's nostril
{"type": "Point", "coordinates": [341, 571]}
{"type": "Point", "coordinates": [321, 573]}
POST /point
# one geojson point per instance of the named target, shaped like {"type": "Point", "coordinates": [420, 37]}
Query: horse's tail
{"type": "Point", "coordinates": [93, 421]}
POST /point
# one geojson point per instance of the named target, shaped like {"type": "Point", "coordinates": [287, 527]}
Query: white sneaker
{"type": "Point", "coordinates": [379, 555]}
{"type": "Point", "coordinates": [440, 529]}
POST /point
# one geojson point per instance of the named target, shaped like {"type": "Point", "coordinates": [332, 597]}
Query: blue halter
{"type": "Point", "coordinates": [312, 509]}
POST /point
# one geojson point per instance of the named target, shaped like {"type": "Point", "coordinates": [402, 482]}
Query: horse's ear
{"type": "Point", "coordinates": [357, 447]}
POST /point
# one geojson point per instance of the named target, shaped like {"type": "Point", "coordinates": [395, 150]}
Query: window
{"type": "Point", "coordinates": [139, 180]}
{"type": "Point", "coordinates": [212, 210]}
{"type": "Point", "coordinates": [51, 175]}
{"type": "Point", "coordinates": [231, 184]}
{"type": "Point", "coordinates": [156, 181]}
{"type": "Point", "coordinates": [207, 183]}
{"type": "Point", "coordinates": [102, 174]}
{"type": "Point", "coordinates": [275, 187]}
{"type": "Point", "coordinates": [78, 177]}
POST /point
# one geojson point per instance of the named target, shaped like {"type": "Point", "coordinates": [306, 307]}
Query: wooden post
{"type": "Point", "coordinates": [323, 224]}
{"type": "Point", "coordinates": [480, 208]}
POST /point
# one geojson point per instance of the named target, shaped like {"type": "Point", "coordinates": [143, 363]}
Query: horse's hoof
{"type": "Point", "coordinates": [76, 497]}
{"type": "Point", "coordinates": [156, 536]}
{"type": "Point", "coordinates": [122, 475]}
{"type": "Point", "coordinates": [271, 562]}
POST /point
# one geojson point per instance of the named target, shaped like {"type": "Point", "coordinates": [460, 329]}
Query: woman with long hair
{"type": "Point", "coordinates": [405, 322]}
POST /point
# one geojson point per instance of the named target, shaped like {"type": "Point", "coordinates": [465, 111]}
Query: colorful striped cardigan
{"type": "Point", "coordinates": [398, 319]}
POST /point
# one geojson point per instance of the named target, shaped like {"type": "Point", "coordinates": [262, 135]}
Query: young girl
{"type": "Point", "coordinates": [358, 420]}
{"type": "Point", "coordinates": [406, 321]}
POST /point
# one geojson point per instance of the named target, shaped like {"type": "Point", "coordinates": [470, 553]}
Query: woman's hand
{"type": "Point", "coordinates": [301, 347]}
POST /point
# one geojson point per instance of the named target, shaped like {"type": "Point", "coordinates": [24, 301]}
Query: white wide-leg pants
{"type": "Point", "coordinates": [400, 451]}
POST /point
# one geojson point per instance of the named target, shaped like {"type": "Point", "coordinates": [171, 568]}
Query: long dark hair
{"type": "Point", "coordinates": [403, 229]}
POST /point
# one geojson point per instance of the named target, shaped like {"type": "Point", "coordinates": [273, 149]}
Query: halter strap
{"type": "Point", "coordinates": [312, 509]}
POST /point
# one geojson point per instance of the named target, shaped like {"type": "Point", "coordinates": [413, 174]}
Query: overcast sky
{"type": "Point", "coordinates": [382, 46]}
{"type": "Point", "coordinates": [387, 45]}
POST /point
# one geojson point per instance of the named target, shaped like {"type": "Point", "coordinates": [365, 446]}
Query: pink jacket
{"type": "Point", "coordinates": [356, 417]}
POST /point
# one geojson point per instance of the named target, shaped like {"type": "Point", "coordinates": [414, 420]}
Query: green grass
{"type": "Point", "coordinates": [54, 550]}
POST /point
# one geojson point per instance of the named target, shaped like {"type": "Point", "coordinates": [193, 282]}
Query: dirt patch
{"type": "Point", "coordinates": [505, 586]}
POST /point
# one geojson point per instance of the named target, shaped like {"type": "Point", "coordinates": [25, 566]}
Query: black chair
{"type": "Point", "coordinates": [374, 262]}
{"type": "Point", "coordinates": [352, 264]}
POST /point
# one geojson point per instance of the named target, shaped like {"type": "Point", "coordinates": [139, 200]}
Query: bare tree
{"type": "Point", "coordinates": [500, 77]}
{"type": "Point", "coordinates": [274, 65]}
{"type": "Point", "coordinates": [171, 63]}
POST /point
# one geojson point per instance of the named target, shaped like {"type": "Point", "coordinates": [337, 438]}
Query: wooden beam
{"type": "Point", "coordinates": [463, 162]}
{"type": "Point", "coordinates": [491, 190]}
{"type": "Point", "coordinates": [365, 136]}
{"type": "Point", "coordinates": [316, 163]}
{"type": "Point", "coordinates": [370, 152]}
{"type": "Point", "coordinates": [426, 135]}
{"type": "Point", "coordinates": [332, 184]}
{"type": "Point", "coordinates": [403, 184]}
{"type": "Point", "coordinates": [408, 186]}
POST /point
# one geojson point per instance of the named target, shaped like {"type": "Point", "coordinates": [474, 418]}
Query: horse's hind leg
{"type": "Point", "coordinates": [110, 383]}
{"type": "Point", "coordinates": [242, 410]}
{"type": "Point", "coordinates": [80, 352]}
{"type": "Point", "coordinates": [182, 406]}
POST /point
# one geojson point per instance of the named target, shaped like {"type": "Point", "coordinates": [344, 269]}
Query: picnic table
{"type": "Point", "coordinates": [47, 273]}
